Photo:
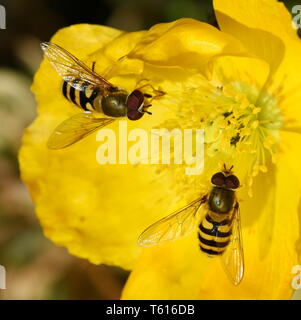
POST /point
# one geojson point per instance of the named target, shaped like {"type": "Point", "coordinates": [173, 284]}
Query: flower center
{"type": "Point", "coordinates": [245, 123]}
{"type": "Point", "coordinates": [241, 126]}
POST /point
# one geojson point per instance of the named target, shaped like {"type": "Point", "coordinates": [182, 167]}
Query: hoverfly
{"type": "Point", "coordinates": [94, 95]}
{"type": "Point", "coordinates": [219, 227]}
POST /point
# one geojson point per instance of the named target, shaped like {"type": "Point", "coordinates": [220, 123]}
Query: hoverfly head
{"type": "Point", "coordinates": [225, 179]}
{"type": "Point", "coordinates": [135, 105]}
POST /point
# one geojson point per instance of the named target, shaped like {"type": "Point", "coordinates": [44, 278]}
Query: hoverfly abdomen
{"type": "Point", "coordinates": [214, 236]}
{"type": "Point", "coordinates": [81, 93]}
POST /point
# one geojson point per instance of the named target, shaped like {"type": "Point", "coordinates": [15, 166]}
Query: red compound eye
{"type": "Point", "coordinates": [232, 182]}
{"type": "Point", "coordinates": [134, 115]}
{"type": "Point", "coordinates": [218, 179]}
{"type": "Point", "coordinates": [135, 100]}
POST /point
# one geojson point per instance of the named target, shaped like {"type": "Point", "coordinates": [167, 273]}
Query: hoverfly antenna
{"type": "Point", "coordinates": [228, 170]}
{"type": "Point", "coordinates": [144, 109]}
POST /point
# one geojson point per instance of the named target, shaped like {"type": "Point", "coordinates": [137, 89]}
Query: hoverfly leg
{"type": "Point", "coordinates": [93, 65]}
{"type": "Point", "coordinates": [204, 198]}
{"type": "Point", "coordinates": [157, 93]}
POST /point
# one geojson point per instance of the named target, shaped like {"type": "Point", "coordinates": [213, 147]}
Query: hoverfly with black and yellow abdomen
{"type": "Point", "coordinates": [217, 217]}
{"type": "Point", "coordinates": [94, 95]}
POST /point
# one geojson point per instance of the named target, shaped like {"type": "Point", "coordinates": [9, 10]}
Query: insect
{"type": "Point", "coordinates": [94, 95]}
{"type": "Point", "coordinates": [219, 227]}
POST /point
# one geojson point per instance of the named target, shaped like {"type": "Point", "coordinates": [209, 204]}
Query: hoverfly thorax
{"type": "Point", "coordinates": [113, 105]}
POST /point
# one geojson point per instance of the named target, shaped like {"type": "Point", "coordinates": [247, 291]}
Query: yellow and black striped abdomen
{"type": "Point", "coordinates": [81, 93]}
{"type": "Point", "coordinates": [214, 236]}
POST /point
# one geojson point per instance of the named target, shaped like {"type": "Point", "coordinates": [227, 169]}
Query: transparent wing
{"type": "Point", "coordinates": [233, 257]}
{"type": "Point", "coordinates": [75, 128]}
{"type": "Point", "coordinates": [70, 68]}
{"type": "Point", "coordinates": [173, 226]}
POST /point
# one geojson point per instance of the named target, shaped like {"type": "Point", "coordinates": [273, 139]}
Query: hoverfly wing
{"type": "Point", "coordinates": [233, 257]}
{"type": "Point", "coordinates": [174, 226]}
{"type": "Point", "coordinates": [70, 68]}
{"type": "Point", "coordinates": [75, 128]}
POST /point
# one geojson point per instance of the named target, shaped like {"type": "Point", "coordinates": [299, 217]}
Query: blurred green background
{"type": "Point", "coordinates": [37, 269]}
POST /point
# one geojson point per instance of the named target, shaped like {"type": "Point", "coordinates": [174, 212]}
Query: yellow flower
{"type": "Point", "coordinates": [240, 86]}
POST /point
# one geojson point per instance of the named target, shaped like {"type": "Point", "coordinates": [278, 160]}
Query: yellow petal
{"type": "Point", "coordinates": [267, 15]}
{"type": "Point", "coordinates": [248, 71]}
{"type": "Point", "coordinates": [265, 29]}
{"type": "Point", "coordinates": [271, 238]}
{"type": "Point", "coordinates": [185, 42]}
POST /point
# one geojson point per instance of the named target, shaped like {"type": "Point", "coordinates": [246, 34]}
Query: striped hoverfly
{"type": "Point", "coordinates": [219, 226]}
{"type": "Point", "coordinates": [94, 95]}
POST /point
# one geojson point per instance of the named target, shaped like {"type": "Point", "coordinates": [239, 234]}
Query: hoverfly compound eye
{"type": "Point", "coordinates": [232, 182]}
{"type": "Point", "coordinates": [218, 179]}
{"type": "Point", "coordinates": [134, 102]}
{"type": "Point", "coordinates": [134, 115]}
